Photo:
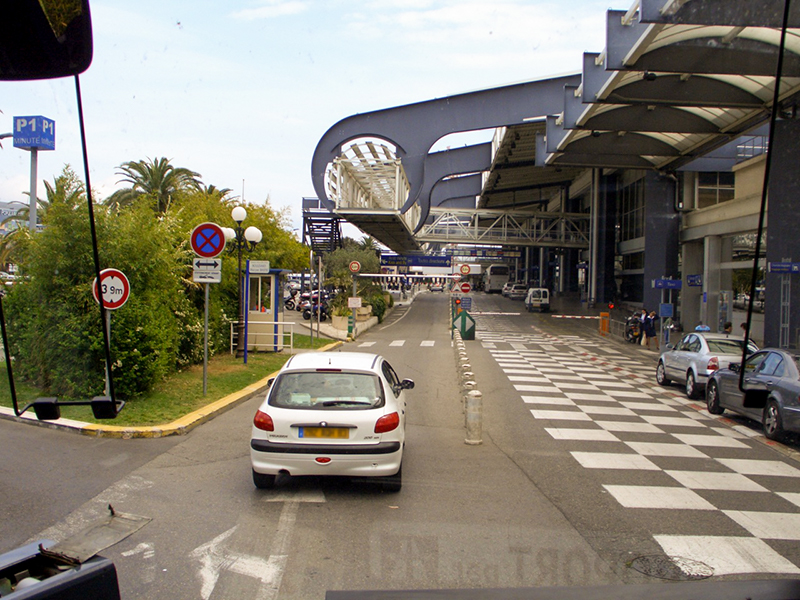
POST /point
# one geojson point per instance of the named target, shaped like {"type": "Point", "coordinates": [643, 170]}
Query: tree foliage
{"type": "Point", "coordinates": [54, 322]}
{"type": "Point", "coordinates": [153, 180]}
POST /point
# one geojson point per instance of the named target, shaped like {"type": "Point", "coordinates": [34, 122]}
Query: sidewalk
{"type": "Point", "coordinates": [327, 329]}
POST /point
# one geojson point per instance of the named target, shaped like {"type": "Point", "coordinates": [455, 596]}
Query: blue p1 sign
{"type": "Point", "coordinates": [34, 133]}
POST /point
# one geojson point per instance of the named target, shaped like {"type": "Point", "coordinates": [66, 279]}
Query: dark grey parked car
{"type": "Point", "coordinates": [772, 391]}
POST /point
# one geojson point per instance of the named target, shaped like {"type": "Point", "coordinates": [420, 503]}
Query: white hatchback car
{"type": "Point", "coordinates": [332, 413]}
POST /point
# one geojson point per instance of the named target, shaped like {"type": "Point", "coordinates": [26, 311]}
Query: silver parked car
{"type": "Point", "coordinates": [518, 291]}
{"type": "Point", "coordinates": [772, 391]}
{"type": "Point", "coordinates": [699, 354]}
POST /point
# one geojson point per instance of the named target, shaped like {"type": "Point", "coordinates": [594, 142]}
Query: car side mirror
{"type": "Point", "coordinates": [407, 384]}
{"type": "Point", "coordinates": [735, 367]}
{"type": "Point", "coordinates": [43, 39]}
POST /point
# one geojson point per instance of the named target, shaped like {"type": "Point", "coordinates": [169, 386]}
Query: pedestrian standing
{"type": "Point", "coordinates": [650, 329]}
{"type": "Point", "coordinates": [642, 318]}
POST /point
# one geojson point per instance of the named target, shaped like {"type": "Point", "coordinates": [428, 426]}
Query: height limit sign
{"type": "Point", "coordinates": [115, 289]}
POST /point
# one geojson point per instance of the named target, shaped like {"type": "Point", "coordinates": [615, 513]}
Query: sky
{"type": "Point", "coordinates": [241, 91]}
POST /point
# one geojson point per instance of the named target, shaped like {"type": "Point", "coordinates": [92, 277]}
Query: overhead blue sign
{"type": "Point", "coordinates": [667, 284]}
{"type": "Point", "coordinates": [416, 261]}
{"type": "Point", "coordinates": [34, 133]}
{"type": "Point", "coordinates": [784, 267]}
{"type": "Point", "coordinates": [694, 280]}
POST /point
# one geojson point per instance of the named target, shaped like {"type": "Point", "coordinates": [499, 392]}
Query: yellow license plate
{"type": "Point", "coordinates": [336, 433]}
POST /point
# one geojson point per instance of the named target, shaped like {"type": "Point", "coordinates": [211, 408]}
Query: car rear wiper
{"type": "Point", "coordinates": [346, 402]}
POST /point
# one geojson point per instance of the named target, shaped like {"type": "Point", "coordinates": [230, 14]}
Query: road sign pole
{"type": "Point", "coordinates": [108, 328]}
{"type": "Point", "coordinates": [34, 177]}
{"type": "Point", "coordinates": [205, 344]}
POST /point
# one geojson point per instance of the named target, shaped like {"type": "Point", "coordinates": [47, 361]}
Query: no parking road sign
{"type": "Point", "coordinates": [115, 286]}
{"type": "Point", "coordinates": [207, 240]}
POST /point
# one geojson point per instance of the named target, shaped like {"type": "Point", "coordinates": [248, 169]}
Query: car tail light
{"type": "Point", "coordinates": [263, 421]}
{"type": "Point", "coordinates": [713, 364]}
{"type": "Point", "coordinates": [387, 423]}
{"type": "Point", "coordinates": [323, 460]}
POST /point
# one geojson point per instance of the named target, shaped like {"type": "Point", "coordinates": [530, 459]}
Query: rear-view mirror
{"type": "Point", "coordinates": [735, 367]}
{"type": "Point", "coordinates": [43, 39]}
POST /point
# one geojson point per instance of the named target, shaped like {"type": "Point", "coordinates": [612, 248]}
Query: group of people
{"type": "Point", "coordinates": [647, 329]}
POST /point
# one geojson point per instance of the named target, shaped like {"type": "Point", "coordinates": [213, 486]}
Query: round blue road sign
{"type": "Point", "coordinates": [208, 240]}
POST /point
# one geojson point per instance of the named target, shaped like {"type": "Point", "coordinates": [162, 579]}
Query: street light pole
{"type": "Point", "coordinates": [241, 239]}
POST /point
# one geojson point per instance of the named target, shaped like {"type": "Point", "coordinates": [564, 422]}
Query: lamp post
{"type": "Point", "coordinates": [240, 239]}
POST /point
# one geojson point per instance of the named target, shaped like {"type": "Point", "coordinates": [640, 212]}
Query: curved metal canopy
{"type": "Point", "coordinates": [677, 79]}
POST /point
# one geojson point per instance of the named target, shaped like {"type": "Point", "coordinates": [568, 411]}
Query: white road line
{"type": "Point", "coordinates": [397, 343]}
{"type": "Point", "coordinates": [727, 555]}
{"type": "Point", "coordinates": [643, 496]}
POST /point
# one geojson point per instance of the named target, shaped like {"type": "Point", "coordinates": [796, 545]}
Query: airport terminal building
{"type": "Point", "coordinates": [639, 179]}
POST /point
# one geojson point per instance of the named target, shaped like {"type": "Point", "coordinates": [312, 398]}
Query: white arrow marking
{"type": "Point", "coordinates": [214, 556]}
{"type": "Point", "coordinates": [148, 553]}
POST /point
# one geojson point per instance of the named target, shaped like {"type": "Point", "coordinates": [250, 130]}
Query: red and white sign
{"type": "Point", "coordinates": [207, 240]}
{"type": "Point", "coordinates": [465, 287]}
{"type": "Point", "coordinates": [116, 288]}
{"type": "Point", "coordinates": [355, 266]}
{"type": "Point", "coordinates": [464, 269]}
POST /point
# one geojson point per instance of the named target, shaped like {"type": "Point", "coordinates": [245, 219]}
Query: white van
{"type": "Point", "coordinates": [538, 299]}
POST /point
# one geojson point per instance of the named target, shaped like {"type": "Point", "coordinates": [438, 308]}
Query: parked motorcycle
{"type": "Point", "coordinates": [310, 313]}
{"type": "Point", "coordinates": [291, 302]}
{"type": "Point", "coordinates": [633, 327]}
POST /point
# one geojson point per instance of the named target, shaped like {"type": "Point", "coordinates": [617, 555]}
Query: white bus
{"type": "Point", "coordinates": [494, 278]}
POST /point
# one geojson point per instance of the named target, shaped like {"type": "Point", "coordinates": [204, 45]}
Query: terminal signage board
{"type": "Point", "coordinates": [784, 267]}
{"type": "Point", "coordinates": [667, 284]}
{"type": "Point", "coordinates": [34, 133]}
{"type": "Point", "coordinates": [416, 261]}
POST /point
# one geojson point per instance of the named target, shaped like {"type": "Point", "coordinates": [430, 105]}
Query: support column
{"type": "Point", "coordinates": [711, 281]}
{"type": "Point", "coordinates": [661, 233]}
{"type": "Point", "coordinates": [606, 243]}
{"type": "Point", "coordinates": [784, 205]}
{"type": "Point", "coordinates": [691, 297]}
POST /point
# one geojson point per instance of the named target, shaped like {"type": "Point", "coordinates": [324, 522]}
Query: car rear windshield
{"type": "Point", "coordinates": [726, 346]}
{"type": "Point", "coordinates": [326, 390]}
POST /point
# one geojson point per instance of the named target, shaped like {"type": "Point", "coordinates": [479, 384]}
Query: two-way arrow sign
{"type": "Point", "coordinates": [207, 264]}
{"type": "Point", "coordinates": [207, 270]}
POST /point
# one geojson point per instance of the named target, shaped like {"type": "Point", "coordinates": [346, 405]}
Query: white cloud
{"type": "Point", "coordinates": [273, 9]}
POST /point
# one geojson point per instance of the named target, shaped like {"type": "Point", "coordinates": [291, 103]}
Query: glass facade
{"type": "Point", "coordinates": [714, 188]}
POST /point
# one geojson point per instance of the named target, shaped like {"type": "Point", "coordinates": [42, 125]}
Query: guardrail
{"type": "Point", "coordinates": [255, 345]}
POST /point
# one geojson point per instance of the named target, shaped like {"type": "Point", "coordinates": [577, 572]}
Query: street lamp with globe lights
{"type": "Point", "coordinates": [240, 239]}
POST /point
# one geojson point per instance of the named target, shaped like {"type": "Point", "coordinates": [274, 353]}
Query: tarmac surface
{"type": "Point", "coordinates": [581, 317]}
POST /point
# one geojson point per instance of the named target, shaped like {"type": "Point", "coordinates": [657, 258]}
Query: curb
{"type": "Point", "coordinates": [180, 426]}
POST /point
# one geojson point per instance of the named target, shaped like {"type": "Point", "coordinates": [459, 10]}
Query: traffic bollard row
{"type": "Point", "coordinates": [472, 399]}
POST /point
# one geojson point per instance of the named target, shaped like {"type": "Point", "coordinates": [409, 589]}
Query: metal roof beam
{"type": "Point", "coordinates": [414, 128]}
{"type": "Point", "coordinates": [761, 13]}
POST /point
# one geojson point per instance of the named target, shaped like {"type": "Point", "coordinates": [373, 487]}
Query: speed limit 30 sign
{"type": "Point", "coordinates": [115, 288]}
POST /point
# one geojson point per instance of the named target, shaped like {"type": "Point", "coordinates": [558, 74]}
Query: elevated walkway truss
{"type": "Point", "coordinates": [369, 187]}
{"type": "Point", "coordinates": [486, 226]}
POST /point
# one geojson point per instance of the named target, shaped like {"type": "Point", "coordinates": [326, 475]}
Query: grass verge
{"type": "Point", "coordinates": [177, 395]}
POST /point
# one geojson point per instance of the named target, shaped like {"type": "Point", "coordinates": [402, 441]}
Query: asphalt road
{"type": "Point", "coordinates": [527, 507]}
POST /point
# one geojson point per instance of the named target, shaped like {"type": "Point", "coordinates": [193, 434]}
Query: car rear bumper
{"type": "Point", "coordinates": [373, 460]}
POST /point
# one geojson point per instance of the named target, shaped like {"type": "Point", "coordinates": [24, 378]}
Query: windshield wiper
{"type": "Point", "coordinates": [346, 402]}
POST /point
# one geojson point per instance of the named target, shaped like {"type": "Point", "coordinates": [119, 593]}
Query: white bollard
{"type": "Point", "coordinates": [474, 418]}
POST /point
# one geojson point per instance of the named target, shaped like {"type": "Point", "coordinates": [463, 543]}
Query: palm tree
{"type": "Point", "coordinates": [369, 243]}
{"type": "Point", "coordinates": [67, 188]}
{"type": "Point", "coordinates": [212, 190]}
{"type": "Point", "coordinates": [157, 179]}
